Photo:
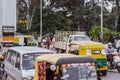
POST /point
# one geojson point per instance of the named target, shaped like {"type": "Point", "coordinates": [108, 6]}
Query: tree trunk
{"type": "Point", "coordinates": [117, 15]}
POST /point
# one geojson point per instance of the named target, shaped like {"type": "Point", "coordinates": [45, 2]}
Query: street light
{"type": "Point", "coordinates": [102, 19]}
{"type": "Point", "coordinates": [41, 19]}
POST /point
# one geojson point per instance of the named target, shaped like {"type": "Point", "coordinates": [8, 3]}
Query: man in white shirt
{"type": "Point", "coordinates": [118, 45]}
{"type": "Point", "coordinates": [39, 41]}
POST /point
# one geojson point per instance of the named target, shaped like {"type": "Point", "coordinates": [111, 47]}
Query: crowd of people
{"type": "Point", "coordinates": [48, 42]}
{"type": "Point", "coordinates": [113, 45]}
{"type": "Point", "coordinates": [112, 48]}
{"type": "Point", "coordinates": [112, 41]}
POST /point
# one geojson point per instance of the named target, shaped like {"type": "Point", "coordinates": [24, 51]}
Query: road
{"type": "Point", "coordinates": [112, 75]}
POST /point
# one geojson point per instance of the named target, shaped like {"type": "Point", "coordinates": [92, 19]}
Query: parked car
{"type": "Point", "coordinates": [19, 62]}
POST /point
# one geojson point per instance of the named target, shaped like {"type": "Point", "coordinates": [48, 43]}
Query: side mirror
{"type": "Point", "coordinates": [52, 67]}
{"type": "Point", "coordinates": [69, 45]}
{"type": "Point", "coordinates": [70, 40]}
{"type": "Point", "coordinates": [17, 65]}
{"type": "Point", "coordinates": [99, 78]}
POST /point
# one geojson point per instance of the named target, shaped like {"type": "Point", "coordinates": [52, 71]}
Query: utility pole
{"type": "Point", "coordinates": [41, 19]}
{"type": "Point", "coordinates": [102, 19]}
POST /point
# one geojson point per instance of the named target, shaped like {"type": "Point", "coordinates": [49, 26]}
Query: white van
{"type": "Point", "coordinates": [19, 62]}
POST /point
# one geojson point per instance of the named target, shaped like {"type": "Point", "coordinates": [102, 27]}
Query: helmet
{"type": "Point", "coordinates": [109, 44]}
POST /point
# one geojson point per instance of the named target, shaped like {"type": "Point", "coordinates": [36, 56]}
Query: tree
{"type": "Point", "coordinates": [21, 16]}
{"type": "Point", "coordinates": [96, 30]}
{"type": "Point", "coordinates": [83, 13]}
{"type": "Point", "coordinates": [65, 15]}
{"type": "Point", "coordinates": [31, 6]}
{"type": "Point", "coordinates": [116, 13]}
{"type": "Point", "coordinates": [51, 21]}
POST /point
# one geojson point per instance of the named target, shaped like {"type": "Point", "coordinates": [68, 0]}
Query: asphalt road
{"type": "Point", "coordinates": [112, 75]}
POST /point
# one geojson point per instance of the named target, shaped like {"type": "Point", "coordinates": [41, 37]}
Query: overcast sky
{"type": "Point", "coordinates": [109, 6]}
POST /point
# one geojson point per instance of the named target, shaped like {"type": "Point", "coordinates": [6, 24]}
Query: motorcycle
{"type": "Point", "coordinates": [1, 67]}
{"type": "Point", "coordinates": [113, 61]}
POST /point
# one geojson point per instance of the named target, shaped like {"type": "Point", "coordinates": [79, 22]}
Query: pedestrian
{"type": "Point", "coordinates": [25, 41]}
{"type": "Point", "coordinates": [39, 41]}
{"type": "Point", "coordinates": [32, 38]}
{"type": "Point", "coordinates": [111, 39]}
{"type": "Point", "coordinates": [48, 42]}
{"type": "Point", "coordinates": [99, 39]}
{"type": "Point", "coordinates": [51, 36]}
{"type": "Point", "coordinates": [117, 36]}
{"type": "Point", "coordinates": [91, 37]}
{"type": "Point", "coordinates": [118, 44]}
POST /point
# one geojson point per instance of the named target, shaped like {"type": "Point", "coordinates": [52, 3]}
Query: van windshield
{"type": "Point", "coordinates": [29, 58]}
{"type": "Point", "coordinates": [79, 73]}
{"type": "Point", "coordinates": [81, 38]}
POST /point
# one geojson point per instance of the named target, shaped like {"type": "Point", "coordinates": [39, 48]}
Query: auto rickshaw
{"type": "Point", "coordinates": [19, 40]}
{"type": "Point", "coordinates": [1, 64]}
{"type": "Point", "coordinates": [65, 67]}
{"type": "Point", "coordinates": [1, 57]}
{"type": "Point", "coordinates": [93, 49]}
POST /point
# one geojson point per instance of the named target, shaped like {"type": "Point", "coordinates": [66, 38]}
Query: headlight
{"type": "Point", "coordinates": [27, 78]}
{"type": "Point", "coordinates": [74, 47]}
{"type": "Point", "coordinates": [103, 51]}
{"type": "Point", "coordinates": [88, 52]}
{"type": "Point", "coordinates": [118, 64]}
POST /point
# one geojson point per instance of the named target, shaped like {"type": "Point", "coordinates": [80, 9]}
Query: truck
{"type": "Point", "coordinates": [63, 39]}
{"type": "Point", "coordinates": [7, 22]}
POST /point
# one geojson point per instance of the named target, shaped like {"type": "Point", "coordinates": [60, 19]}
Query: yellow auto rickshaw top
{"type": "Point", "coordinates": [88, 44]}
{"type": "Point", "coordinates": [54, 57]}
{"type": "Point", "coordinates": [63, 58]}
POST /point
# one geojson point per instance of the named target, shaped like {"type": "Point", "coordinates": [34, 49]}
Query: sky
{"type": "Point", "coordinates": [108, 7]}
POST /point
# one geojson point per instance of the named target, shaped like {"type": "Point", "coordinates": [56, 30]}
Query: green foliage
{"type": "Point", "coordinates": [21, 29]}
{"type": "Point", "coordinates": [67, 15]}
{"type": "Point", "coordinates": [51, 22]}
{"type": "Point", "coordinates": [56, 21]}
{"type": "Point", "coordinates": [96, 30]}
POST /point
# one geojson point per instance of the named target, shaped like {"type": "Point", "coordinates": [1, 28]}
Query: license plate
{"type": "Point", "coordinates": [96, 52]}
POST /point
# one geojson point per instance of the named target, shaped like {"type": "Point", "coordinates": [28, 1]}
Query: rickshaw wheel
{"type": "Point", "coordinates": [118, 69]}
{"type": "Point", "coordinates": [6, 77]}
{"type": "Point", "coordinates": [104, 73]}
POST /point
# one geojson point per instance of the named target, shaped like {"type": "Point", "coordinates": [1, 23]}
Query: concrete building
{"type": "Point", "coordinates": [7, 14]}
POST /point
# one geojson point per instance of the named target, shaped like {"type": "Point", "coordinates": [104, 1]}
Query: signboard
{"type": "Point", "coordinates": [8, 30]}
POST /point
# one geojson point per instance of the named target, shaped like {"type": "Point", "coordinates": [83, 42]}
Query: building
{"type": "Point", "coordinates": [7, 14]}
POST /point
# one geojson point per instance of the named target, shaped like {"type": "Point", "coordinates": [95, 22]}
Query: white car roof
{"type": "Point", "coordinates": [29, 49]}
